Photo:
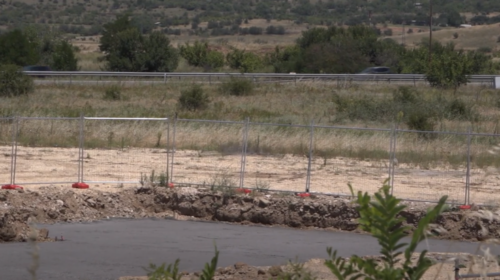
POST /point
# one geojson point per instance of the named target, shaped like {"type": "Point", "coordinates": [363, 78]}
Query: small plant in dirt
{"type": "Point", "coordinates": [113, 92]}
{"type": "Point", "coordinates": [171, 272]}
{"type": "Point", "coordinates": [193, 99]}
{"type": "Point", "coordinates": [237, 87]}
{"type": "Point", "coordinates": [13, 82]}
{"type": "Point", "coordinates": [223, 182]}
{"type": "Point", "coordinates": [154, 180]}
{"type": "Point", "coordinates": [380, 216]}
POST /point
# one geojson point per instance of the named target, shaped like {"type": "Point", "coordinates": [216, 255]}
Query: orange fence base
{"type": "Point", "coordinates": [303, 194]}
{"type": "Point", "coordinates": [11, 187]}
{"type": "Point", "coordinates": [80, 185]}
{"type": "Point", "coordinates": [240, 190]}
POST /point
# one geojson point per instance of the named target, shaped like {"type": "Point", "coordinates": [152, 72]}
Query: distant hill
{"type": "Point", "coordinates": [216, 19]}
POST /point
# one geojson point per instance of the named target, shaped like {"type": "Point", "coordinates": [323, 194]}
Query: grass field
{"type": "Point", "coordinates": [270, 103]}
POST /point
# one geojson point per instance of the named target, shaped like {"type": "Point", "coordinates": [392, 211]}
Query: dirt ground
{"type": "Point", "coordinates": [112, 170]}
{"type": "Point", "coordinates": [49, 204]}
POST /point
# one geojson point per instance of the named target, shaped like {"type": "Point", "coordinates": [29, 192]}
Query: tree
{"type": "Point", "coordinates": [200, 55]}
{"type": "Point", "coordinates": [244, 61]}
{"type": "Point", "coordinates": [111, 29]}
{"type": "Point", "coordinates": [17, 49]}
{"type": "Point", "coordinates": [157, 54]}
{"type": "Point", "coordinates": [126, 49]}
{"type": "Point", "coordinates": [13, 82]}
{"type": "Point", "coordinates": [123, 51]}
{"type": "Point", "coordinates": [63, 57]}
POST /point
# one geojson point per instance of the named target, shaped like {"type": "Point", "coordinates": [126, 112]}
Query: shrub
{"type": "Point", "coordinates": [380, 215]}
{"type": "Point", "coordinates": [237, 87]}
{"type": "Point", "coordinates": [421, 121]}
{"type": "Point", "coordinates": [458, 109]}
{"type": "Point", "coordinates": [13, 82]}
{"type": "Point", "coordinates": [484, 49]}
{"type": "Point", "coordinates": [455, 35]}
{"type": "Point", "coordinates": [193, 99]}
{"type": "Point", "coordinates": [113, 92]}
{"type": "Point", "coordinates": [388, 32]}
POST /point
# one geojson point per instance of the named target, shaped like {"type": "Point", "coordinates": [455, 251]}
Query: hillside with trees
{"type": "Point", "coordinates": [224, 17]}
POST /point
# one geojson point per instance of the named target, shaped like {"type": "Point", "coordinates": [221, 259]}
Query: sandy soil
{"type": "Point", "coordinates": [112, 170]}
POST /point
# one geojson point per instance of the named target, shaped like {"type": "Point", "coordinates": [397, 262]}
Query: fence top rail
{"type": "Point", "coordinates": [125, 119]}
{"type": "Point", "coordinates": [46, 118]}
{"type": "Point", "coordinates": [210, 121]}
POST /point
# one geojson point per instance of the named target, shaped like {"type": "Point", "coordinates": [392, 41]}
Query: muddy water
{"type": "Point", "coordinates": [114, 248]}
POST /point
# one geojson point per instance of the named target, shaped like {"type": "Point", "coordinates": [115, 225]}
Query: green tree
{"type": "Point", "coordinates": [124, 50]}
{"type": "Point", "coordinates": [13, 82]}
{"type": "Point", "coordinates": [111, 29]}
{"type": "Point", "coordinates": [200, 55]}
{"type": "Point", "coordinates": [63, 57]}
{"type": "Point", "coordinates": [380, 217]}
{"type": "Point", "coordinates": [243, 60]}
{"type": "Point", "coordinates": [17, 49]}
{"type": "Point", "coordinates": [157, 54]}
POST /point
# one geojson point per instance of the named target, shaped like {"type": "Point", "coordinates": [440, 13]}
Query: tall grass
{"type": "Point", "coordinates": [270, 103]}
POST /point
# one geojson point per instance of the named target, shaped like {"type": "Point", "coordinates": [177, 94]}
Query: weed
{"type": "Point", "coordinates": [296, 271]}
{"type": "Point", "coordinates": [379, 216]}
{"type": "Point", "coordinates": [261, 186]}
{"type": "Point", "coordinates": [194, 99]}
{"type": "Point", "coordinates": [237, 87]}
{"type": "Point", "coordinates": [154, 180]}
{"type": "Point", "coordinates": [164, 272]}
{"type": "Point", "coordinates": [113, 92]}
{"type": "Point", "coordinates": [223, 182]}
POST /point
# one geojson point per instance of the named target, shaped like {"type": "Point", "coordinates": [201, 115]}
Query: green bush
{"type": "Point", "coordinates": [237, 87]}
{"type": "Point", "coordinates": [458, 109]}
{"type": "Point", "coordinates": [113, 92]}
{"type": "Point", "coordinates": [13, 82]}
{"type": "Point", "coordinates": [194, 99]}
{"type": "Point", "coordinates": [422, 121]}
{"type": "Point", "coordinates": [381, 216]}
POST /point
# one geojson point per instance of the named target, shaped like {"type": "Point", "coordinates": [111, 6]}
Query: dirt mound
{"type": "Point", "coordinates": [18, 209]}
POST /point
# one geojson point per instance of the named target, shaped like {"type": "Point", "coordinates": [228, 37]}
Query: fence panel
{"type": "Point", "coordinates": [342, 156]}
{"type": "Point", "coordinates": [6, 129]}
{"type": "Point", "coordinates": [208, 153]}
{"type": "Point", "coordinates": [47, 151]}
{"type": "Point", "coordinates": [429, 165]}
{"type": "Point", "coordinates": [277, 157]}
{"type": "Point", "coordinates": [484, 169]}
{"type": "Point", "coordinates": [124, 150]}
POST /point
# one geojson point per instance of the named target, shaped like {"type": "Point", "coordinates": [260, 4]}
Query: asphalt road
{"type": "Point", "coordinates": [110, 249]}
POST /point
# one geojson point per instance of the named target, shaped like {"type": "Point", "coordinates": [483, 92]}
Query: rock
{"type": "Point", "coordinates": [275, 270]}
{"type": "Point", "coordinates": [240, 265]}
{"type": "Point", "coordinates": [60, 202]}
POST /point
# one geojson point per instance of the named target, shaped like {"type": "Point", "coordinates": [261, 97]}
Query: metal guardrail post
{"type": "Point", "coordinates": [169, 179]}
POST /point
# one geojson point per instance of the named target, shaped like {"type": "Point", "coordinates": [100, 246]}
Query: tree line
{"type": "Point", "coordinates": [317, 50]}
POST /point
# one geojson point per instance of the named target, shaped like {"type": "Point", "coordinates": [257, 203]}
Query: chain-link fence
{"type": "Point", "coordinates": [418, 165]}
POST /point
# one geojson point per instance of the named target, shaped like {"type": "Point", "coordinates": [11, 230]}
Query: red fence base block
{"type": "Point", "coordinates": [464, 207]}
{"type": "Point", "coordinates": [240, 190]}
{"type": "Point", "coordinates": [80, 185]}
{"type": "Point", "coordinates": [303, 194]}
{"type": "Point", "coordinates": [11, 187]}
{"type": "Point", "coordinates": [171, 185]}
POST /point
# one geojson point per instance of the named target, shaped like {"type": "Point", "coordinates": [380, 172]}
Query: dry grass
{"type": "Point", "coordinates": [271, 103]}
{"type": "Point", "coordinates": [468, 38]}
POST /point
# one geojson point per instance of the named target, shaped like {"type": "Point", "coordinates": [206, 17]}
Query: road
{"type": "Point", "coordinates": [110, 249]}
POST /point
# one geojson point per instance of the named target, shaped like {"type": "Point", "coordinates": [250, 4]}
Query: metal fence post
{"type": "Point", "coordinates": [173, 149]}
{"type": "Point", "coordinates": [392, 157]}
{"type": "Point", "coordinates": [168, 151]}
{"type": "Point", "coordinates": [13, 157]}
{"type": "Point", "coordinates": [80, 150]}
{"type": "Point", "coordinates": [244, 153]}
{"type": "Point", "coordinates": [467, 175]}
{"type": "Point", "coordinates": [308, 179]}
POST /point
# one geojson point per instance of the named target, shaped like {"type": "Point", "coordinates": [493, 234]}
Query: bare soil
{"type": "Point", "coordinates": [112, 169]}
